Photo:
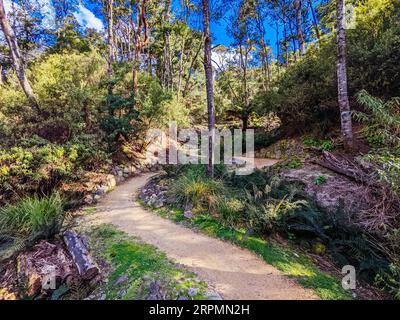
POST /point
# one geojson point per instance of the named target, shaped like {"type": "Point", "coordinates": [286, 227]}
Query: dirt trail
{"type": "Point", "coordinates": [233, 272]}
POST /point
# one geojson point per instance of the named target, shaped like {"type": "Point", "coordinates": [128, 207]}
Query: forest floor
{"type": "Point", "coordinates": [233, 272]}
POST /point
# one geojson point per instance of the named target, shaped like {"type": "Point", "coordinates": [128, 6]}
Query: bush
{"type": "Point", "coordinates": [68, 87]}
{"type": "Point", "coordinates": [33, 170]}
{"type": "Point", "coordinates": [325, 145]}
{"type": "Point", "coordinates": [33, 218]}
{"type": "Point", "coordinates": [230, 211]}
{"type": "Point", "coordinates": [194, 187]}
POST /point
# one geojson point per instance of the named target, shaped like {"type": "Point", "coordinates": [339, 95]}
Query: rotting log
{"type": "Point", "coordinates": [87, 269]}
{"type": "Point", "coordinates": [344, 166]}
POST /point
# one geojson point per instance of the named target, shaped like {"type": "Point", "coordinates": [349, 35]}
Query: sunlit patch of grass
{"type": "Point", "coordinates": [88, 211]}
{"type": "Point", "coordinates": [139, 262]}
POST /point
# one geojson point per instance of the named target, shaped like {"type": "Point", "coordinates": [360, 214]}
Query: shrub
{"type": "Point", "coordinates": [33, 218]}
{"type": "Point", "coordinates": [325, 145]}
{"type": "Point", "coordinates": [194, 187]}
{"type": "Point", "coordinates": [38, 169]}
{"type": "Point", "coordinates": [230, 211]}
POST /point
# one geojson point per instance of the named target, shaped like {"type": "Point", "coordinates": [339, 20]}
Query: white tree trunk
{"type": "Point", "coordinates": [209, 85]}
{"type": "Point", "coordinates": [343, 98]}
{"type": "Point", "coordinates": [16, 58]}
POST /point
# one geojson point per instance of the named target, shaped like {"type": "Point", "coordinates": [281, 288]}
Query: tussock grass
{"type": "Point", "coordinates": [33, 218]}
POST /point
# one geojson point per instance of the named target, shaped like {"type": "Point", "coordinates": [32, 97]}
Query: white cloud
{"type": "Point", "coordinates": [221, 59]}
{"type": "Point", "coordinates": [48, 12]}
{"type": "Point", "coordinates": [87, 19]}
{"type": "Point", "coordinates": [45, 8]}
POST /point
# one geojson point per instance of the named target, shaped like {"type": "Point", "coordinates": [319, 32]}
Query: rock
{"type": "Point", "coordinates": [100, 190]}
{"type": "Point", "coordinates": [155, 291]}
{"type": "Point", "coordinates": [88, 200]}
{"type": "Point", "coordinates": [189, 206]}
{"type": "Point", "coordinates": [122, 293]}
{"type": "Point", "coordinates": [192, 292]}
{"type": "Point", "coordinates": [97, 197]}
{"type": "Point", "coordinates": [238, 162]}
{"type": "Point", "coordinates": [159, 204]}
{"type": "Point", "coordinates": [111, 181]}
{"type": "Point", "coordinates": [123, 278]}
{"type": "Point", "coordinates": [188, 215]}
{"type": "Point", "coordinates": [212, 296]}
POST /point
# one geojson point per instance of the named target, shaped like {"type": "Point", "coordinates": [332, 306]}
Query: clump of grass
{"type": "Point", "coordinates": [33, 218]}
{"type": "Point", "coordinates": [194, 187]}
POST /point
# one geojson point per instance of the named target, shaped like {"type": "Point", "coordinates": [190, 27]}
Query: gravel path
{"type": "Point", "coordinates": [235, 273]}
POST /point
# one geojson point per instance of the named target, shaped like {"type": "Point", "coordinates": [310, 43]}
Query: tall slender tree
{"type": "Point", "coordinates": [315, 20]}
{"type": "Point", "coordinates": [111, 46]}
{"type": "Point", "coordinates": [300, 35]}
{"type": "Point", "coordinates": [16, 58]}
{"type": "Point", "coordinates": [209, 85]}
{"type": "Point", "coordinates": [343, 98]}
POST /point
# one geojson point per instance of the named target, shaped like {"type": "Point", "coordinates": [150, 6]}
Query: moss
{"type": "Point", "coordinates": [141, 264]}
{"type": "Point", "coordinates": [286, 259]}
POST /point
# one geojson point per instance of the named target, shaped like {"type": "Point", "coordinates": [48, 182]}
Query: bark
{"type": "Point", "coordinates": [84, 263]}
{"type": "Point", "coordinates": [167, 74]}
{"type": "Point", "coordinates": [315, 20]}
{"type": "Point", "coordinates": [139, 45]}
{"type": "Point", "coordinates": [300, 34]}
{"type": "Point", "coordinates": [111, 57]}
{"type": "Point", "coordinates": [16, 58]}
{"type": "Point", "coordinates": [180, 70]}
{"type": "Point", "coordinates": [264, 52]}
{"type": "Point", "coordinates": [343, 98]}
{"type": "Point", "coordinates": [209, 85]}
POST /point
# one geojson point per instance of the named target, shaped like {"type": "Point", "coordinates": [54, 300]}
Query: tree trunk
{"type": "Point", "coordinates": [16, 58]}
{"type": "Point", "coordinates": [209, 85]}
{"type": "Point", "coordinates": [315, 21]}
{"type": "Point", "coordinates": [343, 98]}
{"type": "Point", "coordinates": [110, 26]}
{"type": "Point", "coordinates": [245, 121]}
{"type": "Point", "coordinates": [167, 78]}
{"type": "Point", "coordinates": [300, 34]}
{"type": "Point", "coordinates": [178, 91]}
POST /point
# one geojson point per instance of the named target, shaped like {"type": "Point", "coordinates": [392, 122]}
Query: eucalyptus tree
{"type": "Point", "coordinates": [17, 60]}
{"type": "Point", "coordinates": [209, 84]}
{"type": "Point", "coordinates": [343, 97]}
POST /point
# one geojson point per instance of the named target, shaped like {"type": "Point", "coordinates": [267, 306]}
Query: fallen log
{"type": "Point", "coordinates": [344, 166]}
{"type": "Point", "coordinates": [87, 269]}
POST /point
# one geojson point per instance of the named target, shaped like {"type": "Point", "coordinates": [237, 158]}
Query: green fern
{"type": "Point", "coordinates": [382, 122]}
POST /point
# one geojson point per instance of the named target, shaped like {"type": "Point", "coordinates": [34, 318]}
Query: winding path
{"type": "Point", "coordinates": [235, 273]}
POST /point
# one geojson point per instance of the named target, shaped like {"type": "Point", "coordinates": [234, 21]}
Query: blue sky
{"type": "Point", "coordinates": [89, 15]}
